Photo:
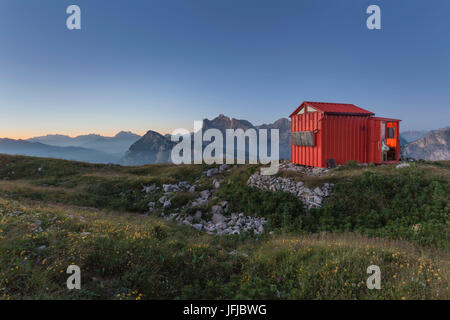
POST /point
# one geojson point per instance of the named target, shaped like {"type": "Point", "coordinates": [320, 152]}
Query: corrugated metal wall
{"type": "Point", "coordinates": [374, 148]}
{"type": "Point", "coordinates": [339, 137]}
{"type": "Point", "coordinates": [345, 138]}
{"type": "Point", "coordinates": [306, 155]}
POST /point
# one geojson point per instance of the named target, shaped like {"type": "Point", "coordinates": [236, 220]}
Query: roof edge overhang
{"type": "Point", "coordinates": [385, 119]}
{"type": "Point", "coordinates": [297, 109]}
{"type": "Point", "coordinates": [368, 114]}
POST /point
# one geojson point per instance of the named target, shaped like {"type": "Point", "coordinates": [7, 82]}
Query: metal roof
{"type": "Point", "coordinates": [335, 108]}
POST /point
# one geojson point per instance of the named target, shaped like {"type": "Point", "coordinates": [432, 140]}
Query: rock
{"type": "Point", "coordinates": [223, 167]}
{"type": "Point", "coordinates": [198, 215]}
{"type": "Point", "coordinates": [192, 189]}
{"type": "Point", "coordinates": [402, 165]}
{"type": "Point", "coordinates": [317, 200]}
{"type": "Point", "coordinates": [83, 234]}
{"type": "Point", "coordinates": [201, 202]}
{"type": "Point", "coordinates": [170, 188]}
{"type": "Point", "coordinates": [216, 209]}
{"type": "Point", "coordinates": [151, 206]}
{"type": "Point", "coordinates": [216, 184]}
{"type": "Point", "coordinates": [218, 218]}
{"type": "Point", "coordinates": [212, 172]}
{"type": "Point", "coordinates": [205, 194]}
{"type": "Point", "coordinates": [162, 199]}
{"type": "Point", "coordinates": [296, 188]}
{"type": "Point", "coordinates": [183, 185]}
{"type": "Point", "coordinates": [198, 226]}
{"type": "Point", "coordinates": [261, 228]}
{"type": "Point", "coordinates": [149, 189]}
{"type": "Point", "coordinates": [167, 204]}
{"type": "Point", "coordinates": [42, 247]}
{"type": "Point", "coordinates": [319, 192]}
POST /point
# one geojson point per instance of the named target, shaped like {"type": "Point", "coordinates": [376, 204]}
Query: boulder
{"type": "Point", "coordinates": [216, 209]}
{"type": "Point", "coordinates": [218, 218]}
{"type": "Point", "coordinates": [212, 172]}
{"type": "Point", "coordinates": [167, 204]}
{"type": "Point", "coordinates": [149, 189]}
{"type": "Point", "coordinates": [198, 215]}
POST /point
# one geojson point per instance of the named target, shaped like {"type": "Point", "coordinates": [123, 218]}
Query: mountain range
{"type": "Point", "coordinates": [37, 149]}
{"type": "Point", "coordinates": [116, 145]}
{"type": "Point", "coordinates": [156, 148]}
{"type": "Point", "coordinates": [413, 135]}
{"type": "Point", "coordinates": [127, 148]}
{"type": "Point", "coordinates": [89, 148]}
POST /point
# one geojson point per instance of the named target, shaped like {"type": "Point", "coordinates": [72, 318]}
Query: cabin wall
{"type": "Point", "coordinates": [307, 155]}
{"type": "Point", "coordinates": [345, 138]}
{"type": "Point", "coordinates": [340, 137]}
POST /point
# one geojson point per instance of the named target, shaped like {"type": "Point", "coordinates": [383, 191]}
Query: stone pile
{"type": "Point", "coordinates": [311, 171]}
{"type": "Point", "coordinates": [236, 223]}
{"type": "Point", "coordinates": [311, 198]}
{"type": "Point", "coordinates": [214, 171]}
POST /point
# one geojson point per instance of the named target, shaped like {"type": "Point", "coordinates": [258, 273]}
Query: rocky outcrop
{"type": "Point", "coordinates": [311, 198]}
{"type": "Point", "coordinates": [235, 223]}
{"type": "Point", "coordinates": [413, 135]}
{"type": "Point", "coordinates": [434, 146]}
{"type": "Point", "coordinates": [284, 127]}
{"type": "Point", "coordinates": [218, 220]}
{"type": "Point", "coordinates": [155, 148]}
{"type": "Point", "coordinates": [151, 148]}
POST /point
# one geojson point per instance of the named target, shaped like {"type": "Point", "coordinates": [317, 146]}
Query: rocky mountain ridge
{"type": "Point", "coordinates": [434, 146]}
{"type": "Point", "coordinates": [155, 148]}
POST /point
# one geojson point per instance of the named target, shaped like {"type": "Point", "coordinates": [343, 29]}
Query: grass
{"type": "Point", "coordinates": [91, 215]}
{"type": "Point", "coordinates": [408, 204]}
{"type": "Point", "coordinates": [82, 184]}
{"type": "Point", "coordinates": [127, 256]}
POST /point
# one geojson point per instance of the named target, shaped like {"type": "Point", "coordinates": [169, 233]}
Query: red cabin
{"type": "Point", "coordinates": [325, 133]}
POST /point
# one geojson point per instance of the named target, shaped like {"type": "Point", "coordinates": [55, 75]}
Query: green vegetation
{"type": "Point", "coordinates": [410, 204]}
{"type": "Point", "coordinates": [127, 256]}
{"type": "Point", "coordinates": [54, 213]}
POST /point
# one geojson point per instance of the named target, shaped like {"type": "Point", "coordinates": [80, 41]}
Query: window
{"type": "Point", "coordinates": [391, 133]}
{"type": "Point", "coordinates": [302, 111]}
{"type": "Point", "coordinates": [310, 109]}
{"type": "Point", "coordinates": [303, 138]}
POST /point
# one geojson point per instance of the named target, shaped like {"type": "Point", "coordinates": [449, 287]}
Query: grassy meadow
{"type": "Point", "coordinates": [54, 213]}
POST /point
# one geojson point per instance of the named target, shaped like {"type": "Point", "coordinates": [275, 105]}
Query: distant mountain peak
{"type": "Point", "coordinates": [434, 146]}
{"type": "Point", "coordinates": [118, 144]}
{"type": "Point", "coordinates": [155, 148]}
{"type": "Point", "coordinates": [222, 117]}
{"type": "Point", "coordinates": [125, 134]}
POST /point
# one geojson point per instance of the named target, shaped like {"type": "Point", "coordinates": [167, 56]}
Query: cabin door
{"type": "Point", "coordinates": [375, 154]}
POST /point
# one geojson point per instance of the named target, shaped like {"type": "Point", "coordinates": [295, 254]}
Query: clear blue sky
{"type": "Point", "coordinates": [140, 65]}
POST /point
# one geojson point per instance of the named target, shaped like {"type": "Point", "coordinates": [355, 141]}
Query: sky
{"type": "Point", "coordinates": [159, 65]}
